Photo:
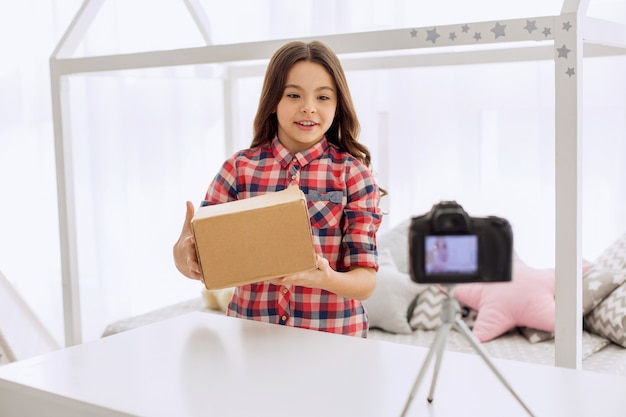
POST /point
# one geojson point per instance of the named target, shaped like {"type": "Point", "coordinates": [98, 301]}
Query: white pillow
{"type": "Point", "coordinates": [388, 307]}
{"type": "Point", "coordinates": [396, 241]}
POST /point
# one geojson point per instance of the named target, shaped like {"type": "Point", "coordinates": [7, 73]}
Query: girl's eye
{"type": "Point", "coordinates": [293, 95]}
{"type": "Point", "coordinates": [324, 98]}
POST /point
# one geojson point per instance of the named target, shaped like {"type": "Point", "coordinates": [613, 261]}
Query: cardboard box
{"type": "Point", "coordinates": [254, 239]}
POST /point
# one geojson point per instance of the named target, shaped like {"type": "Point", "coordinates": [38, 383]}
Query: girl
{"type": "Point", "coordinates": [305, 134]}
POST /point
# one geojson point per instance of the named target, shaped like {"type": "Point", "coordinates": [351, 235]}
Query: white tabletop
{"type": "Point", "coordinates": [204, 364]}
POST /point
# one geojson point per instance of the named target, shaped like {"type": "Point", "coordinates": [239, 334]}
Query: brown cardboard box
{"type": "Point", "coordinates": [254, 239]}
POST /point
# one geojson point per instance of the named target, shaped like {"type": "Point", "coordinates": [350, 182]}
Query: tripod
{"type": "Point", "coordinates": [450, 316]}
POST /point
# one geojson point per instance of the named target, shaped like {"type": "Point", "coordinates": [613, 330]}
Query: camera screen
{"type": "Point", "coordinates": [451, 254]}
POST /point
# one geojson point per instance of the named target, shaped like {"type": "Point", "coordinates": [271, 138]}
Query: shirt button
{"type": "Point", "coordinates": [285, 290]}
{"type": "Point", "coordinates": [293, 177]}
{"type": "Point", "coordinates": [284, 318]}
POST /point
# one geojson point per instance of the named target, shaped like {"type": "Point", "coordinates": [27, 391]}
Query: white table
{"type": "Point", "coordinates": [204, 364]}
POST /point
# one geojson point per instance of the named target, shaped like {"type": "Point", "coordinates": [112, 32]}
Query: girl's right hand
{"type": "Point", "coordinates": [185, 255]}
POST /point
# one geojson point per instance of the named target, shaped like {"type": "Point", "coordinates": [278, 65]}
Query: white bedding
{"type": "Point", "coordinates": [599, 354]}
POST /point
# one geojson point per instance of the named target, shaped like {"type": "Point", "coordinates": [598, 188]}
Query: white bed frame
{"type": "Point", "coordinates": [559, 38]}
{"type": "Point", "coordinates": [22, 334]}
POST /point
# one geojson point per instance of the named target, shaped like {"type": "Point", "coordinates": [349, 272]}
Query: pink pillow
{"type": "Point", "coordinates": [528, 301]}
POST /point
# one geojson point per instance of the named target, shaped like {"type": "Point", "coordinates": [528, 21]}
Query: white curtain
{"type": "Point", "coordinates": [147, 140]}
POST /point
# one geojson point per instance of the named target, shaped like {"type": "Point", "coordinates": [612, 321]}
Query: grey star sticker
{"type": "Point", "coordinates": [414, 33]}
{"type": "Point", "coordinates": [563, 51]}
{"type": "Point", "coordinates": [567, 26]}
{"type": "Point", "coordinates": [570, 71]}
{"type": "Point", "coordinates": [432, 35]}
{"type": "Point", "coordinates": [531, 25]}
{"type": "Point", "coordinates": [477, 36]}
{"type": "Point", "coordinates": [546, 32]}
{"type": "Point", "coordinates": [452, 36]}
{"type": "Point", "coordinates": [498, 30]}
{"type": "Point", "coordinates": [465, 28]}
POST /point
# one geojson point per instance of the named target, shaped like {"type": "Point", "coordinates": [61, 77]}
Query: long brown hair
{"type": "Point", "coordinates": [343, 132]}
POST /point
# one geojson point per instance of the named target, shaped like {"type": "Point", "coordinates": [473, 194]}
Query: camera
{"type": "Point", "coordinates": [447, 246]}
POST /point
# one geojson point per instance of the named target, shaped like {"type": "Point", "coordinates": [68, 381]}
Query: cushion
{"type": "Point", "coordinates": [396, 240]}
{"type": "Point", "coordinates": [607, 316]}
{"type": "Point", "coordinates": [608, 319]}
{"type": "Point", "coordinates": [217, 299]}
{"type": "Point", "coordinates": [614, 256]}
{"type": "Point", "coordinates": [598, 283]}
{"type": "Point", "coordinates": [526, 301]}
{"type": "Point", "coordinates": [426, 312]}
{"type": "Point", "coordinates": [534, 335]}
{"type": "Point", "coordinates": [388, 306]}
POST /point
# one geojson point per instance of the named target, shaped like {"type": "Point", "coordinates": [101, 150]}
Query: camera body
{"type": "Point", "coordinates": [447, 246]}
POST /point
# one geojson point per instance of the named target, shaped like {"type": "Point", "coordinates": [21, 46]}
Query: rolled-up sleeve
{"type": "Point", "coordinates": [362, 219]}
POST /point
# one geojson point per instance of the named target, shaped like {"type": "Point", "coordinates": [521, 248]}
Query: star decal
{"type": "Point", "coordinates": [546, 32]}
{"type": "Point", "coordinates": [570, 71]}
{"type": "Point", "coordinates": [452, 36]}
{"type": "Point", "coordinates": [498, 30]}
{"type": "Point", "coordinates": [432, 35]}
{"type": "Point", "coordinates": [567, 26]}
{"type": "Point", "coordinates": [465, 28]}
{"type": "Point", "coordinates": [531, 25]}
{"type": "Point", "coordinates": [414, 33]}
{"type": "Point", "coordinates": [477, 36]}
{"type": "Point", "coordinates": [563, 51]}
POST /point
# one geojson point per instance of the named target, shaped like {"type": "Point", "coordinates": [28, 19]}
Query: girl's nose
{"type": "Point", "coordinates": [308, 106]}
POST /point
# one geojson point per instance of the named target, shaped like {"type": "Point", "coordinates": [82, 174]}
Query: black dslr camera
{"type": "Point", "coordinates": [447, 246]}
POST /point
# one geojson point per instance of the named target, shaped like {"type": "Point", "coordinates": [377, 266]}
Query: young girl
{"type": "Point", "coordinates": [305, 134]}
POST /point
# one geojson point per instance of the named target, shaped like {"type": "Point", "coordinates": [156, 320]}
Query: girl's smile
{"type": "Point", "coordinates": [306, 124]}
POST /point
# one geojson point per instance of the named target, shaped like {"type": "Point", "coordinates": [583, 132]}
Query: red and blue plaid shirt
{"type": "Point", "coordinates": [342, 199]}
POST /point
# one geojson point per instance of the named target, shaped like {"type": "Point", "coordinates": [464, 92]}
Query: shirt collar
{"type": "Point", "coordinates": [282, 154]}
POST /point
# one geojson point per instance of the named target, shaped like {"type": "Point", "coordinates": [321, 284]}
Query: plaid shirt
{"type": "Point", "coordinates": [342, 199]}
